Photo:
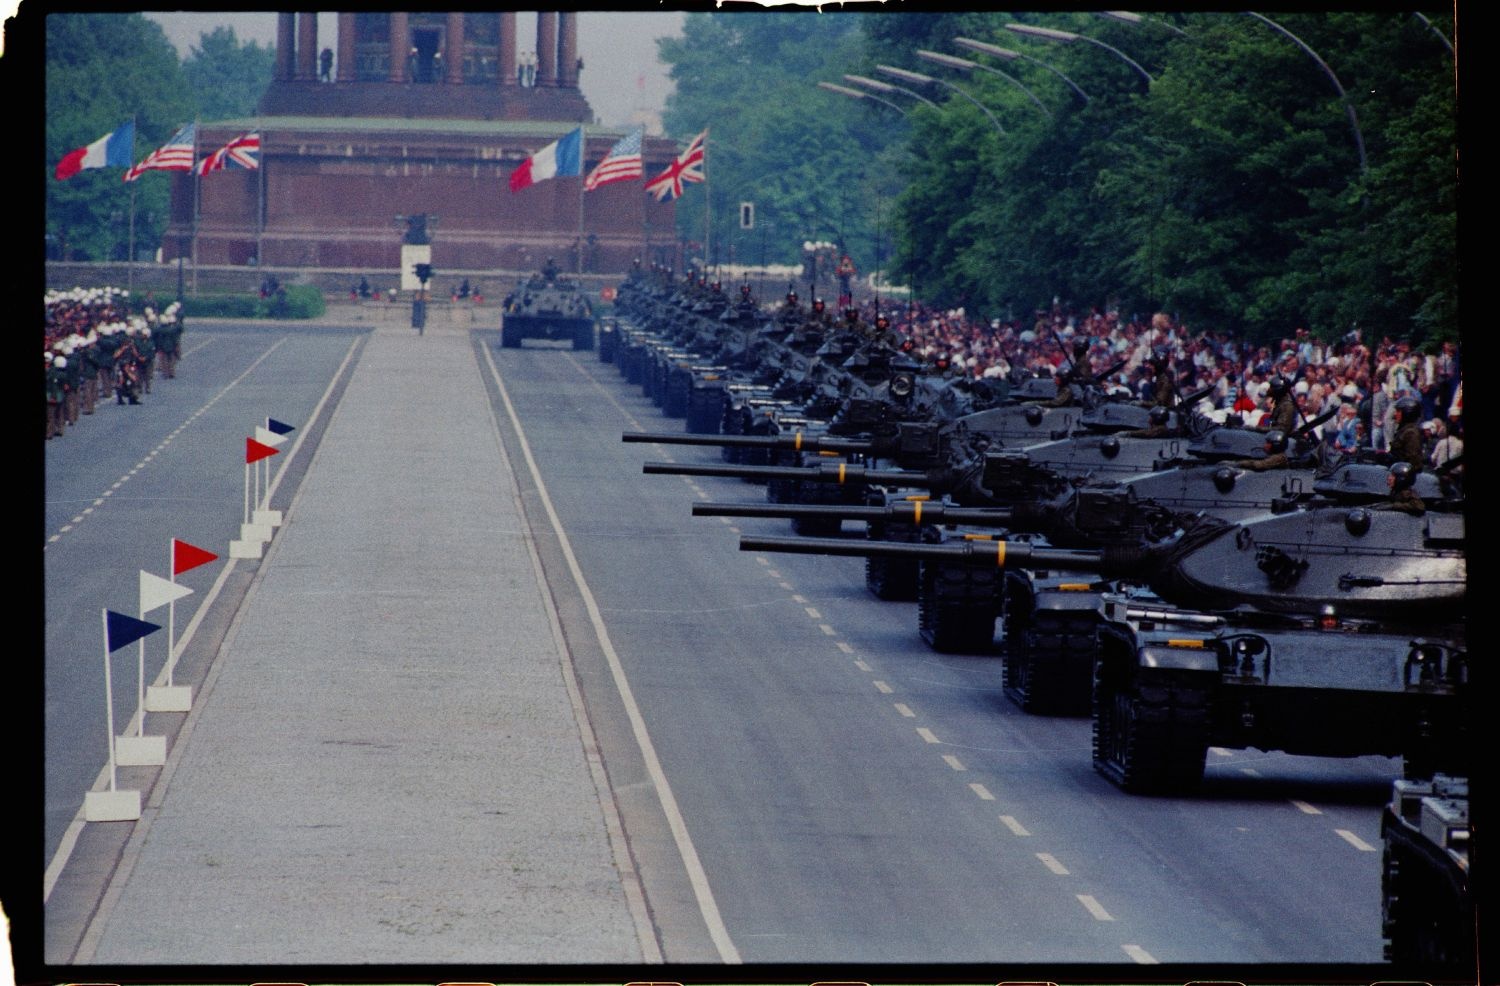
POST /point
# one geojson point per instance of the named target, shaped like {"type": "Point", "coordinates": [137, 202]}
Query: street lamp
{"type": "Point", "coordinates": [1068, 37]}
{"type": "Point", "coordinates": [920, 79]}
{"type": "Point", "coordinates": [1010, 56]}
{"type": "Point", "coordinates": [963, 65]}
{"type": "Point", "coordinates": [1359, 140]}
{"type": "Point", "coordinates": [1128, 17]}
{"type": "Point", "coordinates": [856, 94]}
{"type": "Point", "coordinates": [879, 86]}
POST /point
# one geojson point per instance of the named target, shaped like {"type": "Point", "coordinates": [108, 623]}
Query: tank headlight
{"type": "Point", "coordinates": [901, 385]}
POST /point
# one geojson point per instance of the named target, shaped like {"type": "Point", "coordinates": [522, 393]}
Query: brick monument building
{"type": "Point", "coordinates": [408, 113]}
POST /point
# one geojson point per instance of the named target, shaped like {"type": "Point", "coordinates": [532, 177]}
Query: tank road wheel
{"type": "Point", "coordinates": [704, 410]}
{"type": "Point", "coordinates": [1045, 658]}
{"type": "Point", "coordinates": [957, 606]}
{"type": "Point", "coordinates": [1151, 736]}
{"type": "Point", "coordinates": [510, 338]}
{"type": "Point", "coordinates": [583, 337]}
{"type": "Point", "coordinates": [674, 401]}
{"type": "Point", "coordinates": [892, 578]}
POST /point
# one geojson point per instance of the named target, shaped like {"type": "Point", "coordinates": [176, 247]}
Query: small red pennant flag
{"type": "Point", "coordinates": [186, 556]}
{"type": "Point", "coordinates": [255, 451]}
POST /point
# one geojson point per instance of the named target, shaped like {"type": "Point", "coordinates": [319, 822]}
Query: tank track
{"type": "Point", "coordinates": [1150, 731]}
{"type": "Point", "coordinates": [957, 606]}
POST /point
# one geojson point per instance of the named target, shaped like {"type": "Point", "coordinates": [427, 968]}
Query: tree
{"type": "Point", "coordinates": [226, 77]}
{"type": "Point", "coordinates": [103, 70]}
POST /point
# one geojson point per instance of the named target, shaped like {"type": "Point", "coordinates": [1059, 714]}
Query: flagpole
{"type": "Point", "coordinates": [583, 142]}
{"type": "Point", "coordinates": [260, 200]}
{"type": "Point", "coordinates": [707, 207]}
{"type": "Point", "coordinates": [130, 239]}
{"type": "Point", "coordinates": [196, 179]}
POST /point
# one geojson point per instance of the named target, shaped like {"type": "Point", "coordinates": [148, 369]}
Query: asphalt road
{"type": "Point", "coordinates": [798, 778]}
{"type": "Point", "coordinates": [855, 796]}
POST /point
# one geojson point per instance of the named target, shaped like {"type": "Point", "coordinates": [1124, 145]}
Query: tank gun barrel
{"type": "Point", "coordinates": [978, 552]}
{"type": "Point", "coordinates": [902, 511]}
{"type": "Point", "coordinates": [796, 442]}
{"type": "Point", "coordinates": [828, 472]}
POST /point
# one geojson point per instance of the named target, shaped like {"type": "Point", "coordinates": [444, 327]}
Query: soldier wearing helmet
{"type": "Point", "coordinates": [1400, 480]}
{"type": "Point", "coordinates": [1158, 417]}
{"type": "Point", "coordinates": [1406, 446]}
{"type": "Point", "coordinates": [1283, 416]}
{"type": "Point", "coordinates": [1275, 458]}
{"type": "Point", "coordinates": [1065, 394]}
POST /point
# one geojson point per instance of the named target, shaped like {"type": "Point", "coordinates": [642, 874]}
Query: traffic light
{"type": "Point", "coordinates": [424, 272]}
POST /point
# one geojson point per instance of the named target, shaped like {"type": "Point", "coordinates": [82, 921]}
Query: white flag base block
{"type": "Point", "coordinates": [267, 518]}
{"type": "Point", "coordinates": [111, 806]}
{"type": "Point", "coordinates": [255, 532]}
{"type": "Point", "coordinates": [246, 549]}
{"type": "Point", "coordinates": [140, 751]}
{"type": "Point", "coordinates": [169, 698]}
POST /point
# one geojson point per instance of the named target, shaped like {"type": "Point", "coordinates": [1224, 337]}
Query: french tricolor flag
{"type": "Point", "coordinates": [113, 150]}
{"type": "Point", "coordinates": [559, 159]}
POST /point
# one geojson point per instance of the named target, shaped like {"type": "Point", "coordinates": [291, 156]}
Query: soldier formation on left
{"type": "Point", "coordinates": [97, 343]}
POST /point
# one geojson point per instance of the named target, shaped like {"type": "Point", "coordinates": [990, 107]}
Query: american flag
{"type": "Point", "coordinates": [175, 155]}
{"type": "Point", "coordinates": [242, 152]}
{"type": "Point", "coordinates": [687, 168]}
{"type": "Point", "coordinates": [622, 163]}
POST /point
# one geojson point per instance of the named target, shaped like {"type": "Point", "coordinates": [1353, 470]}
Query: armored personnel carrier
{"type": "Point", "coordinates": [547, 305]}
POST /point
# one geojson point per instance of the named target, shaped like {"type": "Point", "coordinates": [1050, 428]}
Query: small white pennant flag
{"type": "Point", "coordinates": [157, 591]}
{"type": "Point", "coordinates": [268, 437]}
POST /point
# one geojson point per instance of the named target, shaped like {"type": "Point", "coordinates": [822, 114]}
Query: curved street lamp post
{"type": "Point", "coordinates": [919, 78]}
{"type": "Point", "coordinates": [879, 86]}
{"type": "Point", "coordinates": [964, 65]}
{"type": "Point", "coordinates": [985, 48]}
{"type": "Point", "coordinates": [856, 94]}
{"type": "Point", "coordinates": [1068, 37]}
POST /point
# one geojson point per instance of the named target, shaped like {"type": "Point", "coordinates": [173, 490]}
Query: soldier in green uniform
{"type": "Point", "coordinates": [1283, 416]}
{"type": "Point", "coordinates": [1158, 417]}
{"type": "Point", "coordinates": [1406, 446]}
{"type": "Point", "coordinates": [1065, 397]}
{"type": "Point", "coordinates": [1276, 455]}
{"type": "Point", "coordinates": [1399, 480]}
{"type": "Point", "coordinates": [146, 345]}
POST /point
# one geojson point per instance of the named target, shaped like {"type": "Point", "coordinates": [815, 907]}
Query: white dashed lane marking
{"type": "Point", "coordinates": [926, 734]}
{"type": "Point", "coordinates": [905, 710]}
{"type": "Point", "coordinates": [1305, 808]}
{"type": "Point", "coordinates": [1355, 840]}
{"type": "Point", "coordinates": [1139, 954]}
{"type": "Point", "coordinates": [845, 647]}
{"type": "Point", "coordinates": [1050, 861]}
{"type": "Point", "coordinates": [982, 792]}
{"type": "Point", "coordinates": [1094, 907]}
{"type": "Point", "coordinates": [954, 762]}
{"type": "Point", "coordinates": [1016, 827]}
{"type": "Point", "coordinates": [882, 687]}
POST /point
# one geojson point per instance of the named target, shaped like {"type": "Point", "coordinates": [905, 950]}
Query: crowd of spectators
{"type": "Point", "coordinates": [1356, 379]}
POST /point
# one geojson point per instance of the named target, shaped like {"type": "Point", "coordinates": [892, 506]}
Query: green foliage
{"type": "Point", "coordinates": [103, 70]}
{"type": "Point", "coordinates": [226, 77]}
{"type": "Point", "coordinates": [293, 301]}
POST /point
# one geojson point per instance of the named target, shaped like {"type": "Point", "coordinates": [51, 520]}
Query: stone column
{"type": "Point", "coordinates": [345, 71]}
{"type": "Point", "coordinates": [508, 48]}
{"type": "Point", "coordinates": [307, 47]}
{"type": "Point", "coordinates": [453, 44]}
{"type": "Point", "coordinates": [400, 45]}
{"type": "Point", "coordinates": [546, 48]}
{"type": "Point", "coordinates": [567, 71]}
{"type": "Point", "coordinates": [286, 46]}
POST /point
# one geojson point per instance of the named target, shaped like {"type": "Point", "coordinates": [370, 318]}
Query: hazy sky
{"type": "Point", "coordinates": [620, 72]}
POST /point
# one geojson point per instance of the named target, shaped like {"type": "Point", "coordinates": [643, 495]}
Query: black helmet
{"type": "Point", "coordinates": [1401, 476]}
{"type": "Point", "coordinates": [1159, 415]}
{"type": "Point", "coordinates": [791, 297]}
{"type": "Point", "coordinates": [1409, 408]}
{"type": "Point", "coordinates": [851, 314]}
{"type": "Point", "coordinates": [1275, 442]}
{"type": "Point", "coordinates": [817, 304]}
{"type": "Point", "coordinates": [1279, 385]}
{"type": "Point", "coordinates": [882, 322]}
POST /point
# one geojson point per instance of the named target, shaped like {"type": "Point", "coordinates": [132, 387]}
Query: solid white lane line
{"type": "Point", "coordinates": [697, 876]}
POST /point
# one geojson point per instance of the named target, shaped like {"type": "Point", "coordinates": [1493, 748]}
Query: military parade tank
{"type": "Point", "coordinates": [1332, 631]}
{"type": "Point", "coordinates": [1427, 906]}
{"type": "Point", "coordinates": [547, 305]}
